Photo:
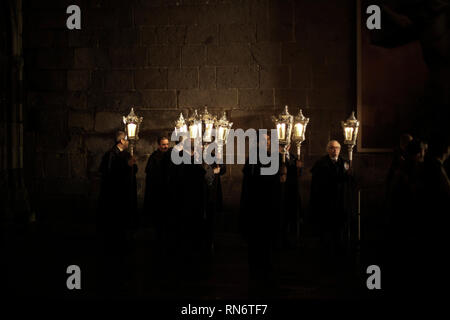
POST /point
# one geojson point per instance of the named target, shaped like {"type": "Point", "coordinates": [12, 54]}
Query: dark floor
{"type": "Point", "coordinates": [35, 266]}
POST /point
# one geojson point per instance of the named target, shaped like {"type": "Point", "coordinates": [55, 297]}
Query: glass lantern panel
{"type": "Point", "coordinates": [221, 134]}
{"type": "Point", "coordinates": [298, 130]}
{"type": "Point", "coordinates": [348, 133]}
{"type": "Point", "coordinates": [131, 130]}
{"type": "Point", "coordinates": [208, 132]}
{"type": "Point", "coordinates": [225, 134]}
{"type": "Point", "coordinates": [193, 130]}
{"type": "Point", "coordinates": [181, 129]}
{"type": "Point", "coordinates": [281, 130]}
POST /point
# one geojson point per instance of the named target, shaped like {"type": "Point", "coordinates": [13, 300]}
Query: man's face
{"type": "Point", "coordinates": [164, 145]}
{"type": "Point", "coordinates": [334, 148]}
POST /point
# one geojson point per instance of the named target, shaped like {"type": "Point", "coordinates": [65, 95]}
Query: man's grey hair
{"type": "Point", "coordinates": [330, 142]}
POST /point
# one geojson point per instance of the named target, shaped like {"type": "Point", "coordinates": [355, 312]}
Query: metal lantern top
{"type": "Point", "coordinates": [223, 126]}
{"type": "Point", "coordinates": [350, 127]}
{"type": "Point", "coordinates": [194, 118]}
{"type": "Point", "coordinates": [284, 126]}
{"type": "Point", "coordinates": [207, 117]}
{"type": "Point", "coordinates": [180, 124]}
{"type": "Point", "coordinates": [132, 123]}
{"type": "Point", "coordinates": [195, 125]}
{"type": "Point", "coordinates": [300, 123]}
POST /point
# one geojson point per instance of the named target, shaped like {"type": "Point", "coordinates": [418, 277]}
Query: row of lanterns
{"type": "Point", "coordinates": [293, 129]}
{"type": "Point", "coordinates": [289, 129]}
{"type": "Point", "coordinates": [203, 125]}
{"type": "Point", "coordinates": [206, 122]}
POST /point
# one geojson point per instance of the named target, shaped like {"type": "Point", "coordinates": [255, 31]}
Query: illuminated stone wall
{"type": "Point", "coordinates": [249, 58]}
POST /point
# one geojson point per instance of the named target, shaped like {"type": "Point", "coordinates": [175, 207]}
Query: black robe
{"type": "Point", "coordinates": [430, 259]}
{"type": "Point", "coordinates": [116, 220]}
{"type": "Point", "coordinates": [260, 222]}
{"type": "Point", "coordinates": [186, 210]}
{"type": "Point", "coordinates": [118, 194]}
{"type": "Point", "coordinates": [331, 194]}
{"type": "Point", "coordinates": [214, 197]}
{"type": "Point", "coordinates": [290, 197]}
{"type": "Point", "coordinates": [404, 203]}
{"type": "Point", "coordinates": [259, 208]}
{"type": "Point", "coordinates": [213, 202]}
{"type": "Point", "coordinates": [435, 199]}
{"type": "Point", "coordinates": [266, 201]}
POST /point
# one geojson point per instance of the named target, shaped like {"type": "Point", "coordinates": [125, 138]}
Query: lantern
{"type": "Point", "coordinates": [223, 127]}
{"type": "Point", "coordinates": [207, 125]}
{"type": "Point", "coordinates": [350, 127]}
{"type": "Point", "coordinates": [132, 123]}
{"type": "Point", "coordinates": [299, 130]}
{"type": "Point", "coordinates": [284, 128]}
{"type": "Point", "coordinates": [180, 125]}
{"type": "Point", "coordinates": [195, 126]}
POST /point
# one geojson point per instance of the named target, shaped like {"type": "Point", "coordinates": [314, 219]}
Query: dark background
{"type": "Point", "coordinates": [249, 58]}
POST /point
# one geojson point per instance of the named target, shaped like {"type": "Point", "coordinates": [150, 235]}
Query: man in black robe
{"type": "Point", "coordinates": [186, 213]}
{"type": "Point", "coordinates": [156, 185]}
{"type": "Point", "coordinates": [405, 194]}
{"type": "Point", "coordinates": [290, 200]}
{"type": "Point", "coordinates": [436, 184]}
{"type": "Point", "coordinates": [118, 194]}
{"type": "Point", "coordinates": [117, 217]}
{"type": "Point", "coordinates": [331, 188]}
{"type": "Point", "coordinates": [213, 201]}
{"type": "Point", "coordinates": [260, 221]}
{"type": "Point", "coordinates": [432, 262]}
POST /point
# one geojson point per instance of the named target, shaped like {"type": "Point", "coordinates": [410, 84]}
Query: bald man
{"type": "Point", "coordinates": [330, 198]}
